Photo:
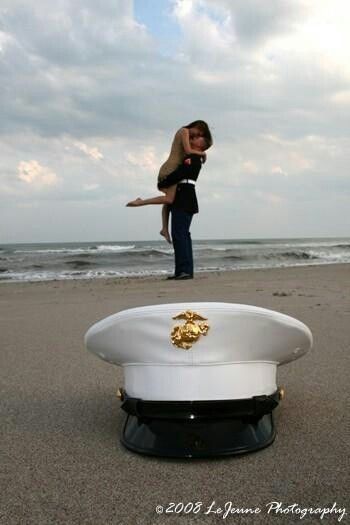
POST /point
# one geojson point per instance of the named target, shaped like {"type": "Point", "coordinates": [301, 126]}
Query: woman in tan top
{"type": "Point", "coordinates": [194, 138]}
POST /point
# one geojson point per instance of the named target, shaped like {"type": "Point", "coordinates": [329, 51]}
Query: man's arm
{"type": "Point", "coordinates": [182, 172]}
{"type": "Point", "coordinates": [185, 137]}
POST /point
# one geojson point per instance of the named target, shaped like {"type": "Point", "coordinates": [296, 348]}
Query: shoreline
{"type": "Point", "coordinates": [163, 277]}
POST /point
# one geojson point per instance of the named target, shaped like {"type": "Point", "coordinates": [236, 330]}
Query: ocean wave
{"type": "Point", "coordinates": [343, 246]}
{"type": "Point", "coordinates": [113, 248]}
{"type": "Point", "coordinates": [201, 267]}
{"type": "Point", "coordinates": [54, 250]}
{"type": "Point", "coordinates": [297, 255]}
{"type": "Point", "coordinates": [103, 248]}
{"type": "Point", "coordinates": [269, 256]}
{"type": "Point", "coordinates": [90, 260]}
{"type": "Point", "coordinates": [72, 275]}
{"type": "Point", "coordinates": [78, 263]}
{"type": "Point", "coordinates": [233, 258]}
{"type": "Point", "coordinates": [207, 248]}
{"type": "Point", "coordinates": [140, 254]}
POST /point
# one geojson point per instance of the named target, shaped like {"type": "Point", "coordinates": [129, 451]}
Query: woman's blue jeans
{"type": "Point", "coordinates": [182, 242]}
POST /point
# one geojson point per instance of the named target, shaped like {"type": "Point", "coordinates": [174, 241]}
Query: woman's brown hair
{"type": "Point", "coordinates": [203, 128]}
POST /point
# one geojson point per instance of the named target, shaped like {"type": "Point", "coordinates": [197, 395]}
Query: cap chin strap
{"type": "Point", "coordinates": [254, 407]}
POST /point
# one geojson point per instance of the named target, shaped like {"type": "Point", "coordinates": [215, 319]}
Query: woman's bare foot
{"type": "Point", "coordinates": [136, 202]}
{"type": "Point", "coordinates": [166, 235]}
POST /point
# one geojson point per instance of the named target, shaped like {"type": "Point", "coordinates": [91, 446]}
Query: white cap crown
{"type": "Point", "coordinates": [215, 350]}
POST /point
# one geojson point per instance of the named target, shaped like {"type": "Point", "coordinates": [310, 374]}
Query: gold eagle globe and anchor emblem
{"type": "Point", "coordinates": [185, 335]}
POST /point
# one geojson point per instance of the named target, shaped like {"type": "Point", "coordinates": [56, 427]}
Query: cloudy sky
{"type": "Point", "coordinates": [92, 93]}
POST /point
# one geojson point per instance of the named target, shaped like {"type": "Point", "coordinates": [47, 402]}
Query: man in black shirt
{"type": "Point", "coordinates": [182, 209]}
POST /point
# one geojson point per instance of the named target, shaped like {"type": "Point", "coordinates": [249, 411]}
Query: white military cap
{"type": "Point", "coordinates": [175, 357]}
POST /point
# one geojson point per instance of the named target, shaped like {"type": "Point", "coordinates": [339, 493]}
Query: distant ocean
{"type": "Point", "coordinates": [92, 260]}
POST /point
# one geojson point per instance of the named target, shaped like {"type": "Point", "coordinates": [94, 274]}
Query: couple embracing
{"type": "Point", "coordinates": [177, 179]}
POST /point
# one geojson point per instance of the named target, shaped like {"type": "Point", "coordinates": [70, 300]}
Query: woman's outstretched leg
{"type": "Point", "coordinates": [167, 198]}
{"type": "Point", "coordinates": [162, 199]}
{"type": "Point", "coordinates": [165, 223]}
{"type": "Point", "coordinates": [136, 202]}
{"type": "Point", "coordinates": [171, 191]}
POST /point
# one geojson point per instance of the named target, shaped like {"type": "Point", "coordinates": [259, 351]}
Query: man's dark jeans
{"type": "Point", "coordinates": [182, 242]}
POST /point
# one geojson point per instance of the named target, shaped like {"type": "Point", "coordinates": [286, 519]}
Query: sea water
{"type": "Point", "coordinates": [91, 260]}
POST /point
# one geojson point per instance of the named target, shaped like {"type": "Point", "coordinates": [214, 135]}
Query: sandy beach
{"type": "Point", "coordinates": [61, 459]}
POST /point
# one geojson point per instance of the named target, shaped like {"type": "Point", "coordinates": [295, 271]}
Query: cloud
{"type": "Point", "coordinates": [65, 70]}
{"type": "Point", "coordinates": [249, 166]}
{"type": "Point", "coordinates": [341, 98]}
{"type": "Point", "coordinates": [270, 198]}
{"type": "Point", "coordinates": [93, 153]}
{"type": "Point", "coordinates": [254, 22]}
{"type": "Point", "coordinates": [146, 158]}
{"type": "Point", "coordinates": [90, 71]}
{"type": "Point", "coordinates": [32, 172]}
{"type": "Point", "coordinates": [91, 187]}
{"type": "Point", "coordinates": [86, 81]}
{"type": "Point", "coordinates": [279, 171]}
